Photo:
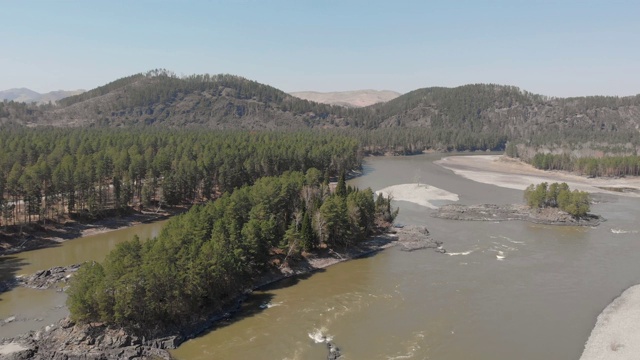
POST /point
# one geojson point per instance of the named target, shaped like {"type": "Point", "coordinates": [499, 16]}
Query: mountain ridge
{"type": "Point", "coordinates": [159, 98]}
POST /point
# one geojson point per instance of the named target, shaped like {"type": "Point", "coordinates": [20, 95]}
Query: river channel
{"type": "Point", "coordinates": [33, 308]}
{"type": "Point", "coordinates": [508, 290]}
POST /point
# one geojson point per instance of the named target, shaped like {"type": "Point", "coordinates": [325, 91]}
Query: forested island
{"type": "Point", "coordinates": [205, 258]}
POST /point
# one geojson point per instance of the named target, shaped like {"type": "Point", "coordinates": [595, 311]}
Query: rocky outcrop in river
{"type": "Point", "coordinates": [492, 212]}
{"type": "Point", "coordinates": [334, 351]}
{"type": "Point", "coordinates": [45, 279]}
{"type": "Point", "coordinates": [413, 238]}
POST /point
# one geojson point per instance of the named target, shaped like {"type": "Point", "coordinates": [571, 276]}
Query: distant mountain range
{"type": "Point", "coordinates": [357, 98]}
{"type": "Point", "coordinates": [29, 96]}
{"type": "Point", "coordinates": [159, 98]}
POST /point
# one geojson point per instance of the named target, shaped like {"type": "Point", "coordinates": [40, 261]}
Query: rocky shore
{"type": "Point", "coordinates": [96, 341]}
{"type": "Point", "coordinates": [492, 212]}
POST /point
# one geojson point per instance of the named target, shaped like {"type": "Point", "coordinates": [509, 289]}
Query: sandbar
{"type": "Point", "coordinates": [421, 194]}
{"type": "Point", "coordinates": [616, 335]}
{"type": "Point", "coordinates": [510, 173]}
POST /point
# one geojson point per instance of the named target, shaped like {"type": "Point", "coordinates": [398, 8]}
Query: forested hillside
{"type": "Point", "coordinates": [464, 117]}
{"type": "Point", "coordinates": [160, 98]}
{"type": "Point", "coordinates": [517, 114]}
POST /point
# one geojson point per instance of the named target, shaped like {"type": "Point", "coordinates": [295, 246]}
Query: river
{"type": "Point", "coordinates": [33, 308]}
{"type": "Point", "coordinates": [509, 290]}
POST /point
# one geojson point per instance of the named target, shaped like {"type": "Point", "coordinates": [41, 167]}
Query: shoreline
{"type": "Point", "coordinates": [69, 339]}
{"type": "Point", "coordinates": [514, 174]}
{"type": "Point", "coordinates": [617, 329]}
{"type": "Point", "coordinates": [410, 238]}
{"type": "Point", "coordinates": [40, 237]}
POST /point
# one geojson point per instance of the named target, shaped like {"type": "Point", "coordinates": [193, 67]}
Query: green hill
{"type": "Point", "coordinates": [160, 98]}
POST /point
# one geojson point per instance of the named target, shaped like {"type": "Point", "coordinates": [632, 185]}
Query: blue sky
{"type": "Point", "coordinates": [556, 48]}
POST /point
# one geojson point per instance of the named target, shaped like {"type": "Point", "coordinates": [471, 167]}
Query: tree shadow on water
{"type": "Point", "coordinates": [9, 268]}
{"type": "Point", "coordinates": [289, 281]}
{"type": "Point", "coordinates": [255, 303]}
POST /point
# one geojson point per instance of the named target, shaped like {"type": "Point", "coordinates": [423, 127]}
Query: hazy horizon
{"type": "Point", "coordinates": [560, 49]}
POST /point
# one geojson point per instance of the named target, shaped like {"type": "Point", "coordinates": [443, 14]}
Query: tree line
{"type": "Point", "coordinates": [576, 203]}
{"type": "Point", "coordinates": [589, 166]}
{"type": "Point", "coordinates": [410, 141]}
{"type": "Point", "coordinates": [202, 260]}
{"type": "Point", "coordinates": [49, 173]}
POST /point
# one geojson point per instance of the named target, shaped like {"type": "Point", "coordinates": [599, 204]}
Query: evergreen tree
{"type": "Point", "coordinates": [307, 234]}
{"type": "Point", "coordinates": [207, 256]}
{"type": "Point", "coordinates": [341, 187]}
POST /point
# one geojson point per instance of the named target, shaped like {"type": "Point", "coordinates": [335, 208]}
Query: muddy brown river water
{"type": "Point", "coordinates": [507, 290]}
{"type": "Point", "coordinates": [34, 309]}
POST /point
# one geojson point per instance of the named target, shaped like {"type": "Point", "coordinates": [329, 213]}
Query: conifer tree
{"type": "Point", "coordinates": [341, 187]}
{"type": "Point", "coordinates": [306, 232]}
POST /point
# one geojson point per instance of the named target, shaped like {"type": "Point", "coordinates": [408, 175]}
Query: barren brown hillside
{"type": "Point", "coordinates": [357, 98]}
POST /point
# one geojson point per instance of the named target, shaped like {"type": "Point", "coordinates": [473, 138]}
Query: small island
{"type": "Point", "coordinates": [553, 204]}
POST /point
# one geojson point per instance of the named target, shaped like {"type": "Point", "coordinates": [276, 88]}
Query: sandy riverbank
{"type": "Point", "coordinates": [617, 332]}
{"type": "Point", "coordinates": [514, 174]}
